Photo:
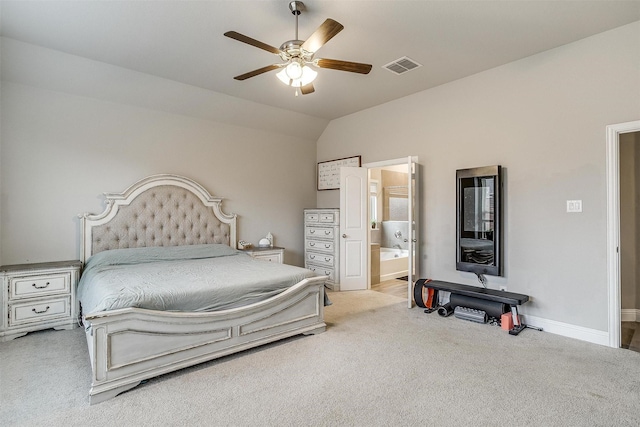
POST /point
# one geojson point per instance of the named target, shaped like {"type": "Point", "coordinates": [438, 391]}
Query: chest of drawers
{"type": "Point", "coordinates": [321, 244]}
{"type": "Point", "coordinates": [38, 296]}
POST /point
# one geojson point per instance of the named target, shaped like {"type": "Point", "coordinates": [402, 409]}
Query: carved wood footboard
{"type": "Point", "coordinates": [174, 340]}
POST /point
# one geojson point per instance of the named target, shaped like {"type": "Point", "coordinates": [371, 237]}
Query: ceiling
{"type": "Point", "coordinates": [183, 40]}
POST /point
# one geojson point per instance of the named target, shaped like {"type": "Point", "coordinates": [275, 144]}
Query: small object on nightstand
{"type": "Point", "coordinates": [244, 245]}
{"type": "Point", "coordinates": [264, 243]}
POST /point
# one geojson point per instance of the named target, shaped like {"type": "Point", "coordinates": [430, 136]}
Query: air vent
{"type": "Point", "coordinates": [402, 65]}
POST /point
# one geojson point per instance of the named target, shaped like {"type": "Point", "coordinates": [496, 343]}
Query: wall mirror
{"type": "Point", "coordinates": [479, 220]}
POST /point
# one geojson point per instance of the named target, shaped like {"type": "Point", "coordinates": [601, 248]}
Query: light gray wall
{"type": "Point", "coordinates": [543, 119]}
{"type": "Point", "coordinates": [60, 151]}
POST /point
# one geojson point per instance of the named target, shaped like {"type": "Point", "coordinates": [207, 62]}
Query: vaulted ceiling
{"type": "Point", "coordinates": [183, 41]}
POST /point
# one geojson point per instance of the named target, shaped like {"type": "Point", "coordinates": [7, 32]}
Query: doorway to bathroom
{"type": "Point", "coordinates": [390, 232]}
{"type": "Point", "coordinates": [358, 220]}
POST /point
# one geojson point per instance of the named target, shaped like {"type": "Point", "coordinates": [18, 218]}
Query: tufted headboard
{"type": "Point", "coordinates": [160, 210]}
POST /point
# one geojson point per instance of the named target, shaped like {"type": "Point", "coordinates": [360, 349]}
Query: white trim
{"type": "Point", "coordinates": [567, 330]}
{"type": "Point", "coordinates": [613, 226]}
{"type": "Point", "coordinates": [630, 315]}
{"type": "Point", "coordinates": [393, 162]}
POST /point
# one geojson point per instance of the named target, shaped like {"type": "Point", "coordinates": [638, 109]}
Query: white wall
{"type": "Point", "coordinates": [60, 151]}
{"type": "Point", "coordinates": [543, 119]}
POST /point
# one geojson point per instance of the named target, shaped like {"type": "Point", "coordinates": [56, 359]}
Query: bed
{"type": "Point", "coordinates": [170, 213]}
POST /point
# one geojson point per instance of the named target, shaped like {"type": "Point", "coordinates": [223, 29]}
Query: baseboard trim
{"type": "Point", "coordinates": [630, 315]}
{"type": "Point", "coordinates": [568, 330]}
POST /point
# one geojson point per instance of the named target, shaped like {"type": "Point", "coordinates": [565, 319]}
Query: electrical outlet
{"type": "Point", "coordinates": [503, 288]}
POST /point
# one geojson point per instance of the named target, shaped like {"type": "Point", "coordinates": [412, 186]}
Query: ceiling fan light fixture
{"type": "Point", "coordinates": [307, 76]}
{"type": "Point", "coordinates": [294, 70]}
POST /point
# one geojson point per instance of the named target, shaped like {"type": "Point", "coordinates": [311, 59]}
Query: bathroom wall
{"type": "Point", "coordinates": [394, 207]}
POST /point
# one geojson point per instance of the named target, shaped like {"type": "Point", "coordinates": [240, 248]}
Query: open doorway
{"type": "Point", "coordinates": [389, 217]}
{"type": "Point", "coordinates": [355, 224]}
{"type": "Point", "coordinates": [621, 216]}
{"type": "Point", "coordinates": [629, 165]}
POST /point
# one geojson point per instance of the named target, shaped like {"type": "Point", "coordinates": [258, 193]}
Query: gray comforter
{"type": "Point", "coordinates": [181, 278]}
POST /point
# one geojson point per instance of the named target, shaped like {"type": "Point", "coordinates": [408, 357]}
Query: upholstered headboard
{"type": "Point", "coordinates": [160, 210]}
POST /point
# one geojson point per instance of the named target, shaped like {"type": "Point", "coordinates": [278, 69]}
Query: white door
{"type": "Point", "coordinates": [354, 246]}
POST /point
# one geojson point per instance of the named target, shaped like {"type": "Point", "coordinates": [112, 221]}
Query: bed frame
{"type": "Point", "coordinates": [129, 345]}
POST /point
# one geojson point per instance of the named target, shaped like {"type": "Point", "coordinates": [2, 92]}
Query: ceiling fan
{"type": "Point", "coordinates": [298, 55]}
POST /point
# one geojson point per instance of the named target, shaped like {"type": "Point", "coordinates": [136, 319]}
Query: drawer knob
{"type": "Point", "coordinates": [312, 231]}
{"type": "Point", "coordinates": [35, 285]}
{"type": "Point", "coordinates": [327, 232]}
{"type": "Point", "coordinates": [312, 244]}
{"type": "Point", "coordinates": [327, 259]}
{"type": "Point", "coordinates": [312, 256]}
{"type": "Point", "coordinates": [40, 312]}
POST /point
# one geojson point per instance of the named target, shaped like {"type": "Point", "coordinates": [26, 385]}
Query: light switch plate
{"type": "Point", "coordinates": [574, 205]}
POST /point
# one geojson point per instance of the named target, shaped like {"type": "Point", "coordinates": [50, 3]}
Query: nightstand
{"type": "Point", "coordinates": [274, 254]}
{"type": "Point", "coordinates": [38, 296]}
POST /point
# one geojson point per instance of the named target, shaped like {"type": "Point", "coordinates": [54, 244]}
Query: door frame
{"type": "Point", "coordinates": [414, 234]}
{"type": "Point", "coordinates": [613, 226]}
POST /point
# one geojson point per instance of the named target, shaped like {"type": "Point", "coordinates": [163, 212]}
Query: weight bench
{"type": "Point", "coordinates": [510, 298]}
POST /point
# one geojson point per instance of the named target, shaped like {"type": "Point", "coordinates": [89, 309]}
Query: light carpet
{"type": "Point", "coordinates": [378, 364]}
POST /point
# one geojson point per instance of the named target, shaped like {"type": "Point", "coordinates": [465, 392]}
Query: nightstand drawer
{"type": "Point", "coordinates": [269, 257]}
{"type": "Point", "coordinates": [41, 285]}
{"type": "Point", "coordinates": [38, 311]}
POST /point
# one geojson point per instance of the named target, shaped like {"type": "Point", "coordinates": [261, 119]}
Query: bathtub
{"type": "Point", "coordinates": [393, 263]}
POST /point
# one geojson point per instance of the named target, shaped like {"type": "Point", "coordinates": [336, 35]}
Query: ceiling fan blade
{"type": "Point", "coordinates": [336, 64]}
{"type": "Point", "coordinates": [307, 89]}
{"type": "Point", "coordinates": [257, 72]}
{"type": "Point", "coordinates": [253, 42]}
{"type": "Point", "coordinates": [323, 34]}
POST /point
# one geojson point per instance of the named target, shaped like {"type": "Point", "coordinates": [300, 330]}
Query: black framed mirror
{"type": "Point", "coordinates": [479, 220]}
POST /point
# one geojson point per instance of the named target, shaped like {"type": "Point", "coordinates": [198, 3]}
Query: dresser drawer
{"type": "Point", "coordinates": [39, 285]}
{"type": "Point", "coordinates": [320, 232]}
{"type": "Point", "coordinates": [38, 311]}
{"type": "Point", "coordinates": [322, 271]}
{"type": "Point", "coordinates": [311, 217]}
{"type": "Point", "coordinates": [322, 259]}
{"type": "Point", "coordinates": [327, 217]}
{"type": "Point", "coordinates": [320, 245]}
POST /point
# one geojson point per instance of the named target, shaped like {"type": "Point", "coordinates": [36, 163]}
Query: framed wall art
{"type": "Point", "coordinates": [329, 171]}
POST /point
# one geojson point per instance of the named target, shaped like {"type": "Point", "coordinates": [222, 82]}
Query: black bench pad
{"type": "Point", "coordinates": [476, 291]}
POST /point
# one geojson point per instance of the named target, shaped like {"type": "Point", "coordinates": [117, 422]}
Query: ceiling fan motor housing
{"type": "Point", "coordinates": [293, 49]}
